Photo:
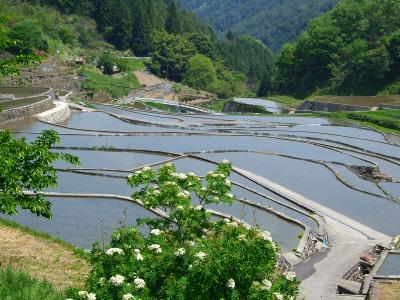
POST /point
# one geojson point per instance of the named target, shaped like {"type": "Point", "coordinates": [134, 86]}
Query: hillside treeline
{"type": "Point", "coordinates": [353, 49]}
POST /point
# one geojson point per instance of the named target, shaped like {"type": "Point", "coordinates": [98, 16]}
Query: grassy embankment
{"type": "Point", "coordinates": [383, 120]}
{"type": "Point", "coordinates": [160, 106]}
{"type": "Point", "coordinates": [34, 265]}
{"type": "Point", "coordinates": [115, 86]}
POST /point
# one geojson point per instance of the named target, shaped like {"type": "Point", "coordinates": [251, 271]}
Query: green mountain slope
{"type": "Point", "coordinates": [273, 21]}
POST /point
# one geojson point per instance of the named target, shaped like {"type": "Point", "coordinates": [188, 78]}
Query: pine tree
{"type": "Point", "coordinates": [265, 86]}
{"type": "Point", "coordinates": [122, 26]}
{"type": "Point", "coordinates": [142, 30]}
{"type": "Point", "coordinates": [174, 22]}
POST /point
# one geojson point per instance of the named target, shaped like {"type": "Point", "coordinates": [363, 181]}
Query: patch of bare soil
{"type": "Point", "coordinates": [41, 258]}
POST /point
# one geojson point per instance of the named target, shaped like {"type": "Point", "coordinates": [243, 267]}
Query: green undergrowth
{"type": "Point", "coordinates": [16, 285]}
{"type": "Point", "coordinates": [215, 105]}
{"type": "Point", "coordinates": [286, 101]}
{"type": "Point", "coordinates": [44, 236]}
{"type": "Point", "coordinates": [116, 87]}
{"type": "Point", "coordinates": [160, 106]}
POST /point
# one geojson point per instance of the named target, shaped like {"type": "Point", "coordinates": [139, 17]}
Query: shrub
{"type": "Point", "coordinates": [185, 255]}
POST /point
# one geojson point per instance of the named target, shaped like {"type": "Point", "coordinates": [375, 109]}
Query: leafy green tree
{"type": "Point", "coordinates": [203, 44]}
{"type": "Point", "coordinates": [201, 72]}
{"type": "Point", "coordinates": [142, 41]}
{"type": "Point", "coordinates": [186, 255]}
{"type": "Point", "coordinates": [28, 167]}
{"type": "Point", "coordinates": [28, 35]}
{"type": "Point", "coordinates": [9, 65]}
{"type": "Point", "coordinates": [171, 55]}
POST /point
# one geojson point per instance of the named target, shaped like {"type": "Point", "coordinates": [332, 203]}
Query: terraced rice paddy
{"type": "Point", "coordinates": [289, 172]}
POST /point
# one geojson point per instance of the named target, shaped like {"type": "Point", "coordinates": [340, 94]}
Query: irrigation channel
{"type": "Point", "coordinates": [302, 179]}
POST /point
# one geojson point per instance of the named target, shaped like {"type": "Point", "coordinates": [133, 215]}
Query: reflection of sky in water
{"type": "Point", "coordinates": [311, 180]}
{"type": "Point", "coordinates": [84, 221]}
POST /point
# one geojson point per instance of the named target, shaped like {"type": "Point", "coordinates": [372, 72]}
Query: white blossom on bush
{"type": "Point", "coordinates": [139, 283]}
{"type": "Point", "coordinates": [101, 281]}
{"type": "Point", "coordinates": [127, 297]}
{"type": "Point", "coordinates": [225, 162]}
{"type": "Point", "coordinates": [278, 296]}
{"type": "Point", "coordinates": [117, 280]}
{"type": "Point", "coordinates": [91, 296]}
{"type": "Point", "coordinates": [156, 232]}
{"type": "Point", "coordinates": [191, 243]}
{"type": "Point", "coordinates": [180, 252]}
{"type": "Point", "coordinates": [201, 255]}
{"type": "Point", "coordinates": [198, 207]}
{"type": "Point", "coordinates": [242, 237]}
{"type": "Point", "coordinates": [146, 169]}
{"type": "Point", "coordinates": [155, 247]}
{"type": "Point", "coordinates": [265, 235]}
{"type": "Point", "coordinates": [232, 224]}
{"type": "Point", "coordinates": [113, 251]}
{"type": "Point", "coordinates": [139, 257]}
{"type": "Point", "coordinates": [182, 195]}
{"type": "Point", "coordinates": [290, 275]}
{"type": "Point", "coordinates": [83, 294]}
{"type": "Point", "coordinates": [231, 284]}
{"type": "Point", "coordinates": [266, 284]}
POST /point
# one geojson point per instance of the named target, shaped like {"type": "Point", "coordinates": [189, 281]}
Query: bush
{"type": "Point", "coordinates": [186, 255]}
{"type": "Point", "coordinates": [15, 285]}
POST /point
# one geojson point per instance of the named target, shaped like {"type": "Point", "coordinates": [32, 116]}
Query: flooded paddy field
{"type": "Point", "coordinates": [308, 156]}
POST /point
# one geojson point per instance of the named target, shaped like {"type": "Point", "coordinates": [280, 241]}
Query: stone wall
{"type": "Point", "coordinates": [58, 114]}
{"type": "Point", "coordinates": [316, 106]}
{"type": "Point", "coordinates": [233, 106]}
{"type": "Point", "coordinates": [26, 111]}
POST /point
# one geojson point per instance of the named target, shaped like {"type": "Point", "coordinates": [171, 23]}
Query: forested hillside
{"type": "Point", "coordinates": [180, 46]}
{"type": "Point", "coordinates": [354, 49]}
{"type": "Point", "coordinates": [273, 21]}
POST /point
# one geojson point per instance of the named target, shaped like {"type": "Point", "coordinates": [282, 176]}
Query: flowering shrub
{"type": "Point", "coordinates": [186, 255]}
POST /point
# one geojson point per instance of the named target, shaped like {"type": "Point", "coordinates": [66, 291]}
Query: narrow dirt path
{"type": "Point", "coordinates": [41, 257]}
{"type": "Point", "coordinates": [146, 79]}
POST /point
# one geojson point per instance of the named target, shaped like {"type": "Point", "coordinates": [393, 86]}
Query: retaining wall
{"type": "Point", "coordinates": [26, 111]}
{"type": "Point", "coordinates": [317, 106]}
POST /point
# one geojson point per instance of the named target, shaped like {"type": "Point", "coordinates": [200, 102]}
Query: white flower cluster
{"type": "Point", "coordinates": [182, 195]}
{"type": "Point", "coordinates": [233, 224]}
{"type": "Point", "coordinates": [198, 208]}
{"type": "Point", "coordinates": [227, 182]}
{"type": "Point", "coordinates": [265, 235]}
{"type": "Point", "coordinates": [146, 169]}
{"type": "Point", "coordinates": [266, 285]}
{"type": "Point", "coordinates": [113, 251]}
{"type": "Point", "coordinates": [201, 255]}
{"type": "Point", "coordinates": [278, 296]}
{"type": "Point", "coordinates": [156, 232]}
{"type": "Point", "coordinates": [225, 162]}
{"type": "Point", "coordinates": [180, 252]}
{"type": "Point", "coordinates": [155, 247]}
{"type": "Point", "coordinates": [231, 284]}
{"type": "Point", "coordinates": [138, 255]}
{"type": "Point", "coordinates": [229, 195]}
{"type": "Point", "coordinates": [86, 295]}
{"type": "Point", "coordinates": [290, 275]}
{"type": "Point", "coordinates": [241, 237]}
{"type": "Point", "coordinates": [139, 283]}
{"type": "Point", "coordinates": [128, 297]}
{"type": "Point", "coordinates": [117, 280]}
{"type": "Point", "coordinates": [191, 243]}
{"type": "Point", "coordinates": [179, 176]}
